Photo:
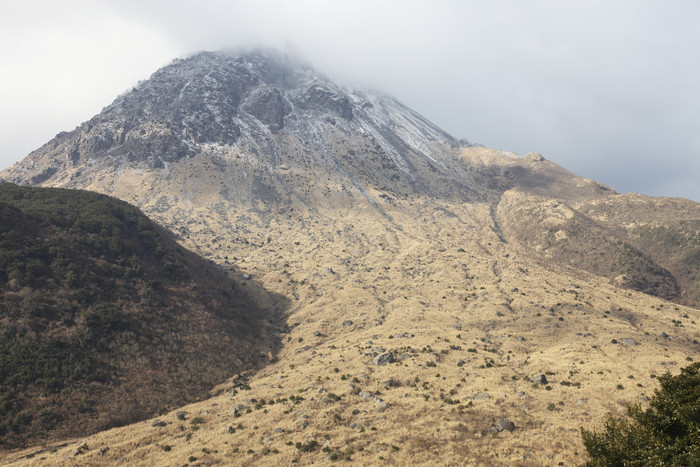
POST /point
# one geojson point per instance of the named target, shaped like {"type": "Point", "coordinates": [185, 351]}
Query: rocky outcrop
{"type": "Point", "coordinates": [209, 110]}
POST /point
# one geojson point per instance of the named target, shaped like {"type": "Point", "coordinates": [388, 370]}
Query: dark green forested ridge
{"type": "Point", "coordinates": [98, 303]}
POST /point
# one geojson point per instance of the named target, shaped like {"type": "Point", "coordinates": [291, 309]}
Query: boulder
{"type": "Point", "coordinates": [540, 379]}
{"type": "Point", "coordinates": [383, 359]}
{"type": "Point", "coordinates": [503, 424]}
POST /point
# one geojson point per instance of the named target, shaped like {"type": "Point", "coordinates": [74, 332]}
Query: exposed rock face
{"type": "Point", "coordinates": [244, 116]}
{"type": "Point", "coordinates": [239, 128]}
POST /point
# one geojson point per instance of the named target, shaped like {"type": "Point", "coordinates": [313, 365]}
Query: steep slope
{"type": "Point", "coordinates": [253, 127]}
{"type": "Point", "coordinates": [105, 320]}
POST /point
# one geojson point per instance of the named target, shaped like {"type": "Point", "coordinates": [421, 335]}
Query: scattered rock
{"type": "Point", "coordinates": [382, 405]}
{"type": "Point", "coordinates": [180, 414]}
{"type": "Point", "coordinates": [158, 423]}
{"type": "Point", "coordinates": [479, 396]}
{"type": "Point", "coordinates": [628, 341]}
{"type": "Point", "coordinates": [383, 359]}
{"type": "Point", "coordinates": [246, 276]}
{"type": "Point", "coordinates": [503, 424]}
{"type": "Point", "coordinates": [103, 450]}
{"type": "Point", "coordinates": [231, 430]}
{"type": "Point", "coordinates": [670, 362]}
{"type": "Point", "coordinates": [540, 379]}
{"type": "Point", "coordinates": [317, 333]}
{"type": "Point", "coordinates": [663, 335]}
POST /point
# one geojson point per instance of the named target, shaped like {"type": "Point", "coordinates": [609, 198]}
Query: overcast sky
{"type": "Point", "coordinates": [609, 89]}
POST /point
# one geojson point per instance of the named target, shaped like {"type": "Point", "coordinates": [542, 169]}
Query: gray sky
{"type": "Point", "coordinates": [609, 89]}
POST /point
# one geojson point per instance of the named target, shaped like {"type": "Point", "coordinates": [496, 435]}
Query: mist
{"type": "Point", "coordinates": [606, 89]}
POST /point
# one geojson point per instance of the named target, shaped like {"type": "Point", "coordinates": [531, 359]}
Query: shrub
{"type": "Point", "coordinates": [308, 446]}
{"type": "Point", "coordinates": [667, 433]}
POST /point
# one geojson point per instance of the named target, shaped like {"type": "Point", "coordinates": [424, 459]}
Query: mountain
{"type": "Point", "coordinates": [259, 131]}
{"type": "Point", "coordinates": [431, 283]}
{"type": "Point", "coordinates": [105, 320]}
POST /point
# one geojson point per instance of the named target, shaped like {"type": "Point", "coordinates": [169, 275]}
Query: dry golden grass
{"type": "Point", "coordinates": [479, 316]}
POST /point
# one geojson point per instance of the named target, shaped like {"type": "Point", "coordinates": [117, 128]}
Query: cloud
{"type": "Point", "coordinates": [606, 89]}
{"type": "Point", "coordinates": [63, 62]}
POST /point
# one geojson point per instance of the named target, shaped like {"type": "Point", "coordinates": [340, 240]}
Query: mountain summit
{"type": "Point", "coordinates": [255, 126]}
{"type": "Point", "coordinates": [257, 119]}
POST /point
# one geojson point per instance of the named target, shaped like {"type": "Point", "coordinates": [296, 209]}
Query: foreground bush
{"type": "Point", "coordinates": [667, 433]}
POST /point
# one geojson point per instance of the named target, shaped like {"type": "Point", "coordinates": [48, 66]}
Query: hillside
{"type": "Point", "coordinates": [105, 320]}
{"type": "Point", "coordinates": [469, 323]}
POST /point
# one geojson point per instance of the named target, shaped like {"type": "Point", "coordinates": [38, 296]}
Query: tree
{"type": "Point", "coordinates": [666, 433]}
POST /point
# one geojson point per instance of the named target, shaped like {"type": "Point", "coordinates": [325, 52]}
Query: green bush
{"type": "Point", "coordinates": [667, 433]}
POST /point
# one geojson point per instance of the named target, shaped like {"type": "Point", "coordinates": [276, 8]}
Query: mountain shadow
{"type": "Point", "coordinates": [106, 320]}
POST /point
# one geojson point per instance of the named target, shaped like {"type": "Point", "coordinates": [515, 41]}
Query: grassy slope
{"type": "Point", "coordinates": [633, 246]}
{"type": "Point", "coordinates": [479, 316]}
